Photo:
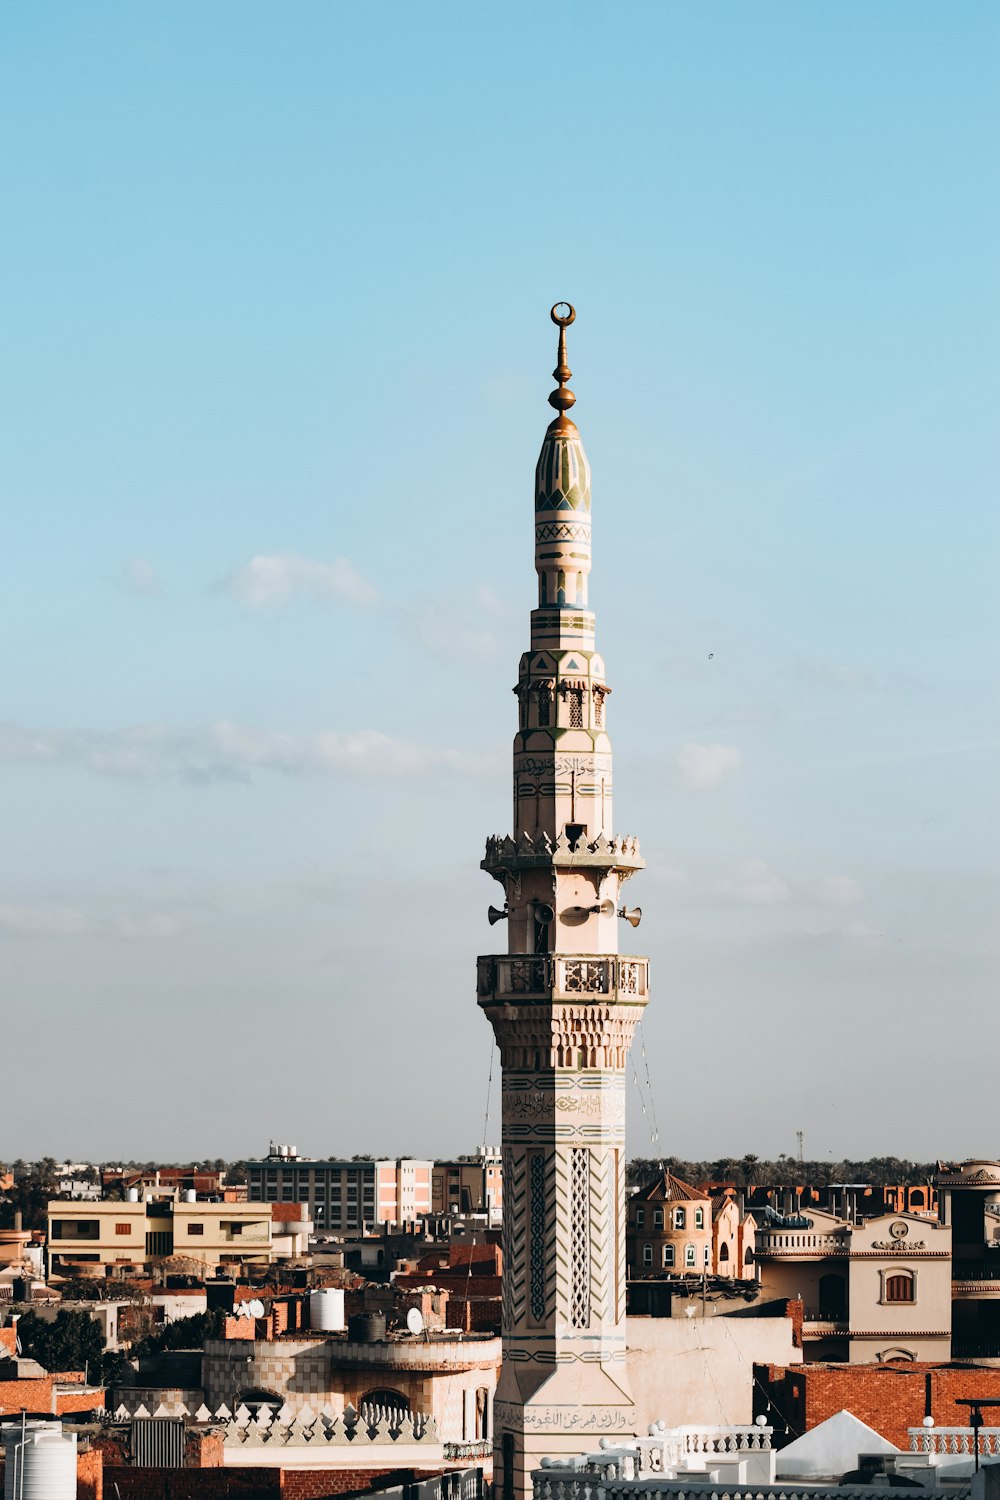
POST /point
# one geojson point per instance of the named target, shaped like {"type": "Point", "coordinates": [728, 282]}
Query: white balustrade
{"type": "Point", "coordinates": [955, 1441]}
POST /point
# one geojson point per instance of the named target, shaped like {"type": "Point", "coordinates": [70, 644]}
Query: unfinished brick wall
{"type": "Point", "coordinates": [890, 1398]}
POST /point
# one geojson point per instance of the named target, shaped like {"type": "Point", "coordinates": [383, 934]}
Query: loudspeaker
{"type": "Point", "coordinates": [496, 915]}
{"type": "Point", "coordinates": [604, 909]}
{"type": "Point", "coordinates": [543, 913]}
{"type": "Point", "coordinates": [633, 916]}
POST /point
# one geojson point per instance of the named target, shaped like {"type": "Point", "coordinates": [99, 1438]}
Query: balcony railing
{"type": "Point", "coordinates": [577, 976]}
{"type": "Point", "coordinates": [977, 1270]}
{"type": "Point", "coordinates": [835, 1317]}
{"type": "Point", "coordinates": [955, 1440]}
{"type": "Point", "coordinates": [975, 1348]}
{"type": "Point", "coordinates": [796, 1242]}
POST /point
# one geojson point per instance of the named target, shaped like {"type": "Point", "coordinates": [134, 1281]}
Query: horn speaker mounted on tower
{"type": "Point", "coordinates": [496, 915]}
{"type": "Point", "coordinates": [631, 915]}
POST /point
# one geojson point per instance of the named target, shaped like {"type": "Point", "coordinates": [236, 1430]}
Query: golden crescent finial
{"type": "Point", "coordinates": [563, 398]}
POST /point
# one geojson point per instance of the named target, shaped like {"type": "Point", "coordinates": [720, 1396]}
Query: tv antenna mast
{"type": "Point", "coordinates": [799, 1139]}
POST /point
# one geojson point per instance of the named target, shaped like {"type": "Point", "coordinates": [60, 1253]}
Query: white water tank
{"type": "Point", "coordinates": [133, 1195]}
{"type": "Point", "coordinates": [326, 1309]}
{"type": "Point", "coordinates": [190, 1196]}
{"type": "Point", "coordinates": [42, 1465]}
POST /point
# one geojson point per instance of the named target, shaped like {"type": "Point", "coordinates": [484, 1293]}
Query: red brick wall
{"type": "Point", "coordinates": [890, 1398]}
{"type": "Point", "coordinates": [90, 1475]}
{"type": "Point", "coordinates": [194, 1484]}
{"type": "Point", "coordinates": [317, 1484]}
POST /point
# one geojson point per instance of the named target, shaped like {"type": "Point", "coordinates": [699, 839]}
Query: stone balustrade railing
{"type": "Point", "coordinates": [286, 1428]}
{"type": "Point", "coordinates": [575, 976]}
{"type": "Point", "coordinates": [666, 1450]}
{"type": "Point", "coordinates": [958, 1441]}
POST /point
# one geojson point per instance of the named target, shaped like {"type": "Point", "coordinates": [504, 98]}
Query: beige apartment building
{"type": "Point", "coordinates": [88, 1238]}
{"type": "Point", "coordinates": [875, 1291]}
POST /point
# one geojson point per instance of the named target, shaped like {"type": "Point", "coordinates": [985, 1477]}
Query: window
{"type": "Point", "coordinates": [689, 1256]}
{"type": "Point", "coordinates": [543, 707]}
{"type": "Point", "coordinates": [640, 1218]}
{"type": "Point", "coordinates": [647, 1255]}
{"type": "Point", "coordinates": [576, 708]}
{"type": "Point", "coordinates": [680, 1218]}
{"type": "Point", "coordinates": [303, 1192]}
{"type": "Point", "coordinates": [707, 1255]}
{"type": "Point", "coordinates": [668, 1256]}
{"type": "Point", "coordinates": [723, 1251]}
{"type": "Point", "coordinates": [196, 1229]}
{"type": "Point", "coordinates": [699, 1218]}
{"type": "Point", "coordinates": [598, 709]}
{"type": "Point", "coordinates": [123, 1229]}
{"type": "Point", "coordinates": [657, 1218]}
{"type": "Point", "coordinates": [899, 1287]}
{"type": "Point", "coordinates": [287, 1192]}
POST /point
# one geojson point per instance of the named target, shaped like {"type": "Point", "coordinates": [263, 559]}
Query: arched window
{"type": "Point", "coordinates": [680, 1218]}
{"type": "Point", "coordinates": [707, 1254]}
{"type": "Point", "coordinates": [699, 1218]}
{"type": "Point", "coordinates": [657, 1218]}
{"type": "Point", "coordinates": [668, 1256]}
{"type": "Point", "coordinates": [381, 1400]}
{"type": "Point", "coordinates": [689, 1256]}
{"type": "Point", "coordinates": [723, 1251]}
{"type": "Point", "coordinates": [647, 1255]}
{"type": "Point", "coordinates": [482, 1412]}
{"type": "Point", "coordinates": [899, 1287]}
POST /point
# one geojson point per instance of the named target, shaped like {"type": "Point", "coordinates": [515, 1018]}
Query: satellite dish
{"type": "Point", "coordinates": [415, 1320]}
{"type": "Point", "coordinates": [255, 1308]}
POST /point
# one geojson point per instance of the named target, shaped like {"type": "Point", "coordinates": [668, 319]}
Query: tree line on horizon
{"type": "Point", "coordinates": [746, 1172]}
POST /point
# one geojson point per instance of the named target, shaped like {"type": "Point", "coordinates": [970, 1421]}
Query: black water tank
{"type": "Point", "coordinates": [366, 1328]}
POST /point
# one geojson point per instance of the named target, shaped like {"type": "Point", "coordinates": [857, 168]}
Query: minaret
{"type": "Point", "coordinates": [563, 1004]}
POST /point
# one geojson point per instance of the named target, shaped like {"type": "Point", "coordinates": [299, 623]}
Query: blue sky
{"type": "Point", "coordinates": [276, 284]}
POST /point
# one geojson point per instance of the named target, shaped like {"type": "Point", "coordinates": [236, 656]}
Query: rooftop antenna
{"type": "Point", "coordinates": [799, 1138]}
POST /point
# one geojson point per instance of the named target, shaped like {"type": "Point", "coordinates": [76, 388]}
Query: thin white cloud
{"type": "Point", "coordinates": [224, 751]}
{"type": "Point", "coordinates": [272, 579]}
{"type": "Point", "coordinates": [42, 921]}
{"type": "Point", "coordinates": [752, 882]}
{"type": "Point", "coordinates": [154, 924]}
{"type": "Point", "coordinates": [706, 766]}
{"type": "Point", "coordinates": [840, 890]}
{"type": "Point", "coordinates": [457, 628]}
{"type": "Point", "coordinates": [140, 577]}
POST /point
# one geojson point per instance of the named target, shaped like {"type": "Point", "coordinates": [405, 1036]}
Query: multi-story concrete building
{"type": "Point", "coordinates": [344, 1196]}
{"type": "Point", "coordinates": [92, 1238]}
{"type": "Point", "coordinates": [872, 1291]}
{"type": "Point", "coordinates": [563, 1005]}
{"type": "Point", "coordinates": [469, 1185]}
{"type": "Point", "coordinates": [969, 1201]}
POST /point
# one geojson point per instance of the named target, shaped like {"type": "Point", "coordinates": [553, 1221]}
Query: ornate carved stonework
{"type": "Point", "coordinates": [563, 1004]}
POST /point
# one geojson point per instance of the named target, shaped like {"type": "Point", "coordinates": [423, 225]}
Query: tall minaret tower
{"type": "Point", "coordinates": [563, 1004]}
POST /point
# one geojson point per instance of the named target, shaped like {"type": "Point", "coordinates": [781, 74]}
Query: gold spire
{"type": "Point", "coordinates": [563, 398]}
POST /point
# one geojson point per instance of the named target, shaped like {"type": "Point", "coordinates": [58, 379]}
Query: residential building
{"type": "Point", "coordinates": [344, 1196]}
{"type": "Point", "coordinates": [969, 1202]}
{"type": "Point", "coordinates": [469, 1185]}
{"type": "Point", "coordinates": [99, 1238]}
{"type": "Point", "coordinates": [674, 1229]}
{"type": "Point", "coordinates": [563, 1004]}
{"type": "Point", "coordinates": [872, 1291]}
